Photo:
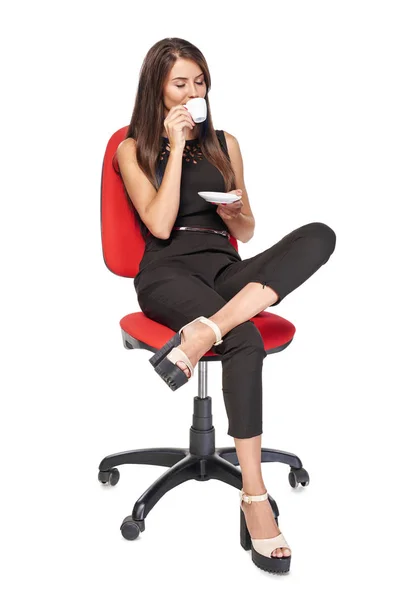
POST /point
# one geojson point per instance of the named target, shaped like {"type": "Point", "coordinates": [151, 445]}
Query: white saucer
{"type": "Point", "coordinates": [219, 197]}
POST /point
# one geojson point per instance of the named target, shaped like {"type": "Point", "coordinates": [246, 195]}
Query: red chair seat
{"type": "Point", "coordinates": [275, 331]}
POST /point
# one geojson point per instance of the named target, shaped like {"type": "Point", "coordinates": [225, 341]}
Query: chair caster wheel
{"type": "Point", "coordinates": [130, 528]}
{"type": "Point", "coordinates": [297, 476]}
{"type": "Point", "coordinates": [111, 477]}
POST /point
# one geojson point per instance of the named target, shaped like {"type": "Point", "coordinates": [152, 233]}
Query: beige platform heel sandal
{"type": "Point", "coordinates": [262, 549]}
{"type": "Point", "coordinates": [165, 359]}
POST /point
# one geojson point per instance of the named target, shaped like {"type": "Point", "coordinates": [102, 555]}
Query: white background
{"type": "Point", "coordinates": [311, 91]}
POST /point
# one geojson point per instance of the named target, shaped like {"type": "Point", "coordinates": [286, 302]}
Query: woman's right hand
{"type": "Point", "coordinates": [177, 124]}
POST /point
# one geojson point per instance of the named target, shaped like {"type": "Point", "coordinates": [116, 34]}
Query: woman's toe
{"type": "Point", "coordinates": [183, 366]}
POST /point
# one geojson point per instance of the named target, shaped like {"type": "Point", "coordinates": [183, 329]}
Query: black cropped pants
{"type": "Point", "coordinates": [188, 284]}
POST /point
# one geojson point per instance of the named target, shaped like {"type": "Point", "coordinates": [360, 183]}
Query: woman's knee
{"type": "Point", "coordinates": [323, 235]}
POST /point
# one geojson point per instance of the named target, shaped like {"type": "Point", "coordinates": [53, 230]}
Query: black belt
{"type": "Point", "coordinates": [220, 231]}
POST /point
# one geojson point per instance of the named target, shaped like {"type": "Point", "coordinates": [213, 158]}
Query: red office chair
{"type": "Point", "coordinates": [123, 247]}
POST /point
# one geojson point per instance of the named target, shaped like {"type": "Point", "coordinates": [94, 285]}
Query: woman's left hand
{"type": "Point", "coordinates": [232, 210]}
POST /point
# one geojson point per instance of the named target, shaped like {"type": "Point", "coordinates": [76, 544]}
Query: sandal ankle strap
{"type": "Point", "coordinates": [215, 327]}
{"type": "Point", "coordinates": [211, 324]}
{"type": "Point", "coordinates": [249, 499]}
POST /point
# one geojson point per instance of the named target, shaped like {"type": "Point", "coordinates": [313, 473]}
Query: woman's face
{"type": "Point", "coordinates": [185, 81]}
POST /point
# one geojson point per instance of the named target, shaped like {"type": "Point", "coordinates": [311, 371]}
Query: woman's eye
{"type": "Point", "coordinates": [198, 83]}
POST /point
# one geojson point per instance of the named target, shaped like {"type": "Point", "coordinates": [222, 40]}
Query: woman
{"type": "Point", "coordinates": [164, 161]}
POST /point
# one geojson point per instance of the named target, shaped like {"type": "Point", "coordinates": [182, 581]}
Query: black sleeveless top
{"type": "Point", "coordinates": [197, 175]}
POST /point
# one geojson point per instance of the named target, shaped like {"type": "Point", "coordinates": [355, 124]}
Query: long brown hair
{"type": "Point", "coordinates": [147, 122]}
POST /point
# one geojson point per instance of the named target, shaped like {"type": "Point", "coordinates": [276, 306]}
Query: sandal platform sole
{"type": "Point", "coordinates": [171, 374]}
{"type": "Point", "coordinates": [278, 566]}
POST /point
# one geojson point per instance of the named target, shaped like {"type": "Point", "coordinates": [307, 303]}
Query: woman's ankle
{"type": "Point", "coordinates": [252, 489]}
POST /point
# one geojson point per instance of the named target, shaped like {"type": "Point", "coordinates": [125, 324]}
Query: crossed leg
{"type": "Point", "coordinates": [177, 298]}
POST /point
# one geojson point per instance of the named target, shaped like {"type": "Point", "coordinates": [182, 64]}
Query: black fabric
{"type": "Point", "coordinates": [197, 175]}
{"type": "Point", "coordinates": [222, 141]}
{"type": "Point", "coordinates": [196, 273]}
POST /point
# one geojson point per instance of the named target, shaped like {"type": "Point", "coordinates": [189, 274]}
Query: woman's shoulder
{"type": "Point", "coordinates": [228, 136]}
{"type": "Point", "coordinates": [126, 150]}
{"type": "Point", "coordinates": [227, 140]}
{"type": "Point", "coordinates": [231, 142]}
{"type": "Point", "coordinates": [127, 143]}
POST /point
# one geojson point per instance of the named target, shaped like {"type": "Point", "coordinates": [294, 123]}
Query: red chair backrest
{"type": "Point", "coordinates": [122, 241]}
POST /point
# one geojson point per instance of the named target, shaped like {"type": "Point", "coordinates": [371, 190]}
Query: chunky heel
{"type": "Point", "coordinates": [165, 359]}
{"type": "Point", "coordinates": [245, 539]}
{"type": "Point", "coordinates": [159, 355]}
{"type": "Point", "coordinates": [261, 549]}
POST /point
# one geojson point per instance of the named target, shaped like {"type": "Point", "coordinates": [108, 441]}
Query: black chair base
{"type": "Point", "coordinates": [201, 461]}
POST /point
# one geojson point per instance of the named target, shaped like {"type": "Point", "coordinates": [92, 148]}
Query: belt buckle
{"type": "Point", "coordinates": [219, 232]}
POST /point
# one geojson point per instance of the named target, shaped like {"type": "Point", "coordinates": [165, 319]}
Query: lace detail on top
{"type": "Point", "coordinates": [191, 152]}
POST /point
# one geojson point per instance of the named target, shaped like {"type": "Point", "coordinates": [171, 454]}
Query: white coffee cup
{"type": "Point", "coordinates": [198, 109]}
